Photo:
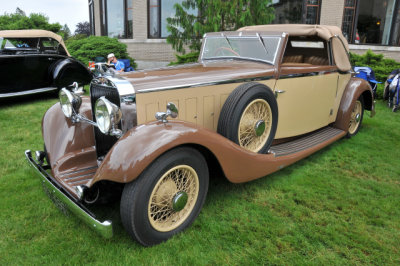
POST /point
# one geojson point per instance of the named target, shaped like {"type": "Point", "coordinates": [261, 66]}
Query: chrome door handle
{"type": "Point", "coordinates": [277, 92]}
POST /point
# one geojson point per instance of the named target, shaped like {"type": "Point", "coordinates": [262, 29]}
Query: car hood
{"type": "Point", "coordinates": [189, 75]}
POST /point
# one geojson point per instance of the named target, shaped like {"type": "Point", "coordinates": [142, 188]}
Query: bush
{"type": "Point", "coordinates": [87, 49]}
{"type": "Point", "coordinates": [381, 66]}
{"type": "Point", "coordinates": [186, 58]}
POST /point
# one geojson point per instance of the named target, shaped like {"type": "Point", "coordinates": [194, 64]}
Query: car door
{"type": "Point", "coordinates": [306, 91]}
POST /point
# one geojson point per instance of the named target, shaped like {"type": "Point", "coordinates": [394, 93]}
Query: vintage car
{"type": "Point", "coordinates": [34, 61]}
{"type": "Point", "coordinates": [258, 100]}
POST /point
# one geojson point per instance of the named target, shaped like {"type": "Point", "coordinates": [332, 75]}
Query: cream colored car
{"type": "Point", "coordinates": [258, 100]}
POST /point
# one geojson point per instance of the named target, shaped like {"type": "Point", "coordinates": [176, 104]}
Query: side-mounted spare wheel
{"type": "Point", "coordinates": [249, 117]}
{"type": "Point", "coordinates": [167, 197]}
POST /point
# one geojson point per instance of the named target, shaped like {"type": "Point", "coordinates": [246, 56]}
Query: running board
{"type": "Point", "coordinates": [305, 142]}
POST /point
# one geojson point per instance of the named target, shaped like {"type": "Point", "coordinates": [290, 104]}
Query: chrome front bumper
{"type": "Point", "coordinates": [67, 203]}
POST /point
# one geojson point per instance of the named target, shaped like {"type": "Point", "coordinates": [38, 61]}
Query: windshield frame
{"type": "Point", "coordinates": [244, 35]}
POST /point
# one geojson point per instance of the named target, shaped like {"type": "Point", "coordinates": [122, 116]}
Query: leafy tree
{"type": "Point", "coordinates": [19, 21]}
{"type": "Point", "coordinates": [65, 32]}
{"type": "Point", "coordinates": [83, 28]}
{"type": "Point", "coordinates": [187, 28]}
{"type": "Point", "coordinates": [87, 49]}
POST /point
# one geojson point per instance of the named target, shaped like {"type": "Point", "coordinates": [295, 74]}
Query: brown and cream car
{"type": "Point", "coordinates": [258, 100]}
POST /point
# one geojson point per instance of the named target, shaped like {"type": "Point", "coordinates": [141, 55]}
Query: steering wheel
{"type": "Point", "coordinates": [220, 49]}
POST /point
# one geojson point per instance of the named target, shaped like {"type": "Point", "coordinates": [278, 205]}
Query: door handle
{"type": "Point", "coordinates": [277, 92]}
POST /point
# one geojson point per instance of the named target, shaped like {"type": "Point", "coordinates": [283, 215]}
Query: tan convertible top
{"type": "Point", "coordinates": [327, 33]}
{"type": "Point", "coordinates": [33, 34]}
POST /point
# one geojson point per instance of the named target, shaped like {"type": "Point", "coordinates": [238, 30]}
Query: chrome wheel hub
{"type": "Point", "coordinates": [358, 117]}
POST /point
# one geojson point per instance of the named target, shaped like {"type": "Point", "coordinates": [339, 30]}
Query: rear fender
{"type": "Point", "coordinates": [354, 89]}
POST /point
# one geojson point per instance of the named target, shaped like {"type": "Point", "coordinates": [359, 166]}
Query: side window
{"type": "Point", "coordinates": [306, 51]}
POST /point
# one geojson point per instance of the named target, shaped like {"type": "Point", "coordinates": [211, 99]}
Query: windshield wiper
{"type": "Point", "coordinates": [262, 43]}
{"type": "Point", "coordinates": [226, 38]}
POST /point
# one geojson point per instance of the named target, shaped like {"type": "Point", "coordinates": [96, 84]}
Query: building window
{"type": "Point", "coordinates": [371, 21]}
{"type": "Point", "coordinates": [158, 12]}
{"type": "Point", "coordinates": [296, 11]}
{"type": "Point", "coordinates": [91, 17]}
{"type": "Point", "coordinates": [312, 11]}
{"type": "Point", "coordinates": [116, 18]}
{"type": "Point", "coordinates": [349, 14]}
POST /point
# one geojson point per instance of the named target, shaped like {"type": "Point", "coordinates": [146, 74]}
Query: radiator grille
{"type": "Point", "coordinates": [103, 142]}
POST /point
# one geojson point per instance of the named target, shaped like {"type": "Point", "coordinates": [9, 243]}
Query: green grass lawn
{"type": "Point", "coordinates": [338, 206]}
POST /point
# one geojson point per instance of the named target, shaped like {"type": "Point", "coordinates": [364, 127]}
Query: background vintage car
{"type": "Point", "coordinates": [34, 61]}
{"type": "Point", "coordinates": [259, 100]}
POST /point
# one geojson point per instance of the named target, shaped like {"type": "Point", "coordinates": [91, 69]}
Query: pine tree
{"type": "Point", "coordinates": [187, 27]}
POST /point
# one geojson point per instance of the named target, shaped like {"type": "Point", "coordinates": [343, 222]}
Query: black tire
{"type": "Point", "coordinates": [148, 196]}
{"type": "Point", "coordinates": [233, 111]}
{"type": "Point", "coordinates": [354, 126]}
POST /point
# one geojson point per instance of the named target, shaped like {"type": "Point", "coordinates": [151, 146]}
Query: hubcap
{"type": "Point", "coordinates": [259, 128]}
{"type": "Point", "coordinates": [358, 117]}
{"type": "Point", "coordinates": [179, 201]}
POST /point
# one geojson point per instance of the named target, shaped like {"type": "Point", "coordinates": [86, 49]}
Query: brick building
{"type": "Point", "coordinates": [141, 24]}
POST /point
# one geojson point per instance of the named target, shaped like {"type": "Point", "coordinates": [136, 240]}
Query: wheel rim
{"type": "Point", "coordinates": [355, 118]}
{"type": "Point", "coordinates": [255, 125]}
{"type": "Point", "coordinates": [173, 198]}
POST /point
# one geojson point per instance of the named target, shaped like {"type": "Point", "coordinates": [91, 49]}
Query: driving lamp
{"type": "Point", "coordinates": [69, 102]}
{"type": "Point", "coordinates": [107, 115]}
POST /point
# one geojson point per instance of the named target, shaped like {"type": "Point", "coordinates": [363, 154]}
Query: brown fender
{"type": "Point", "coordinates": [140, 146]}
{"type": "Point", "coordinates": [70, 147]}
{"type": "Point", "coordinates": [354, 89]}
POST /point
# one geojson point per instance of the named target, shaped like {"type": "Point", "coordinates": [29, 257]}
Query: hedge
{"type": "Point", "coordinates": [87, 49]}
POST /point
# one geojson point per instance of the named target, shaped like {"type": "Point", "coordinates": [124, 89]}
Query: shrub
{"type": "Point", "coordinates": [186, 58]}
{"type": "Point", "coordinates": [381, 66]}
{"type": "Point", "coordinates": [87, 49]}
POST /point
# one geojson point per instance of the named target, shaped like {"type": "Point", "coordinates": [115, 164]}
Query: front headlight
{"type": "Point", "coordinates": [107, 115]}
{"type": "Point", "coordinates": [69, 102]}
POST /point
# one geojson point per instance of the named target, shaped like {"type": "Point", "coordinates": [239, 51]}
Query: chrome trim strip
{"type": "Point", "coordinates": [20, 93]}
{"type": "Point", "coordinates": [60, 198]}
{"type": "Point", "coordinates": [300, 75]}
{"type": "Point", "coordinates": [211, 83]}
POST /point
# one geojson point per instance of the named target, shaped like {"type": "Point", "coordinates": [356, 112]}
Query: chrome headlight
{"type": "Point", "coordinates": [107, 115]}
{"type": "Point", "coordinates": [69, 102]}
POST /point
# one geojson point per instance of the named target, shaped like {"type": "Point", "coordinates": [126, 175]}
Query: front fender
{"type": "Point", "coordinates": [140, 146]}
{"type": "Point", "coordinates": [354, 89]}
{"type": "Point", "coordinates": [69, 70]}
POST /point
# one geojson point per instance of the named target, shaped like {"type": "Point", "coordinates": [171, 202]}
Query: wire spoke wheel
{"type": "Point", "coordinates": [167, 196]}
{"type": "Point", "coordinates": [255, 125]}
{"type": "Point", "coordinates": [355, 118]}
{"type": "Point", "coordinates": [249, 117]}
{"type": "Point", "coordinates": [173, 198]}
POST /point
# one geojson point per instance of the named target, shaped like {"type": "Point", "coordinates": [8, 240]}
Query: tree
{"type": "Point", "coordinates": [19, 21]}
{"type": "Point", "coordinates": [187, 28]}
{"type": "Point", "coordinates": [65, 32]}
{"type": "Point", "coordinates": [83, 28]}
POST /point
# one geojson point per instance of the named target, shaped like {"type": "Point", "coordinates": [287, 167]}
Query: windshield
{"type": "Point", "coordinates": [261, 48]}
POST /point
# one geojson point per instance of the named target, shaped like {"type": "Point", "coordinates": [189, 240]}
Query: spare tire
{"type": "Point", "coordinates": [249, 117]}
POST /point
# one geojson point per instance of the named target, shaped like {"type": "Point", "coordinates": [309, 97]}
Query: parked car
{"type": "Point", "coordinates": [34, 61]}
{"type": "Point", "coordinates": [258, 100]}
